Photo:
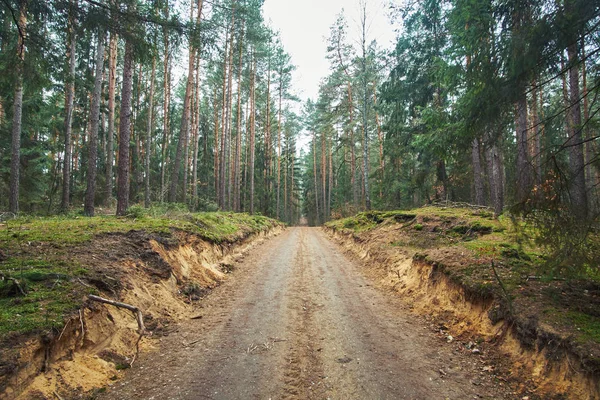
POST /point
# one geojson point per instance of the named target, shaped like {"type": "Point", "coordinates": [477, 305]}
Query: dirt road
{"type": "Point", "coordinates": [298, 320]}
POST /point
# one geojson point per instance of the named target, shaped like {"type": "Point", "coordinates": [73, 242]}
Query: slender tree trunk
{"type": "Point", "coordinates": [291, 206]}
{"type": "Point", "coordinates": [380, 137]}
{"type": "Point", "coordinates": [252, 131]}
{"type": "Point", "coordinates": [196, 136]}
{"type": "Point", "coordinates": [279, 142]}
{"type": "Point", "coordinates": [181, 153]}
{"type": "Point", "coordinates": [523, 163]}
{"type": "Point", "coordinates": [318, 217]}
{"type": "Point", "coordinates": [238, 142]}
{"type": "Point", "coordinates": [477, 172]}
{"type": "Point", "coordinates": [136, 139]}
{"type": "Point", "coordinates": [228, 159]}
{"type": "Point", "coordinates": [576, 160]}
{"type": "Point", "coordinates": [365, 107]}
{"type": "Point", "coordinates": [267, 170]}
{"type": "Point", "coordinates": [150, 129]}
{"type": "Point", "coordinates": [15, 161]}
{"type": "Point", "coordinates": [224, 103]}
{"type": "Point", "coordinates": [124, 131]}
{"type": "Point", "coordinates": [324, 175]}
{"type": "Point", "coordinates": [110, 134]}
{"type": "Point", "coordinates": [285, 180]}
{"type": "Point", "coordinates": [496, 178]}
{"type": "Point", "coordinates": [166, 108]}
{"type": "Point", "coordinates": [69, 97]}
{"type": "Point", "coordinates": [216, 150]}
{"type": "Point", "coordinates": [330, 189]}
{"type": "Point", "coordinates": [90, 193]}
{"type": "Point", "coordinates": [590, 172]}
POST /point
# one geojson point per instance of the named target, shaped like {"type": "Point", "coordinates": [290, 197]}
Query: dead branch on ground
{"type": "Point", "coordinates": [138, 316]}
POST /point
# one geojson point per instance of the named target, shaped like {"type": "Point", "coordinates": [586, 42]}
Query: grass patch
{"type": "Point", "coordinates": [38, 253]}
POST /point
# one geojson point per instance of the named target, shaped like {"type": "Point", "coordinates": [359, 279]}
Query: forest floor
{"type": "Point", "coordinates": [299, 320]}
{"type": "Point", "coordinates": [379, 305]}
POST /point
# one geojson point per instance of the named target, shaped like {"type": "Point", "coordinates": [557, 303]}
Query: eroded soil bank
{"type": "Point", "coordinates": [300, 321]}
{"type": "Point", "coordinates": [166, 277]}
{"type": "Point", "coordinates": [533, 357]}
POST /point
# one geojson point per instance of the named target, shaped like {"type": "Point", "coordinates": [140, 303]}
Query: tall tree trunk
{"type": "Point", "coordinates": [90, 193]}
{"type": "Point", "coordinates": [590, 172]}
{"type": "Point", "coordinates": [15, 161]}
{"type": "Point", "coordinates": [279, 141]}
{"type": "Point", "coordinates": [318, 217]}
{"type": "Point", "coordinates": [166, 108]}
{"type": "Point", "coordinates": [252, 130]}
{"type": "Point", "coordinates": [198, 110]}
{"type": "Point", "coordinates": [285, 179]}
{"type": "Point", "coordinates": [181, 153]}
{"type": "Point", "coordinates": [380, 137]}
{"type": "Point", "coordinates": [576, 161]}
{"type": "Point", "coordinates": [224, 104]}
{"type": "Point", "coordinates": [267, 170]}
{"type": "Point", "coordinates": [69, 97]}
{"type": "Point", "coordinates": [523, 163]}
{"type": "Point", "coordinates": [477, 172]}
{"type": "Point", "coordinates": [196, 136]}
{"type": "Point", "coordinates": [136, 139]}
{"type": "Point", "coordinates": [324, 175]}
{"type": "Point", "coordinates": [124, 131]}
{"type": "Point", "coordinates": [150, 129]}
{"type": "Point", "coordinates": [238, 142]}
{"type": "Point", "coordinates": [110, 151]}
{"type": "Point", "coordinates": [216, 149]}
{"type": "Point", "coordinates": [330, 189]}
{"type": "Point", "coordinates": [228, 159]}
{"type": "Point", "coordinates": [365, 107]}
{"type": "Point", "coordinates": [353, 180]}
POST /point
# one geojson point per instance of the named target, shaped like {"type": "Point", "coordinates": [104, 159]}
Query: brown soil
{"type": "Point", "coordinates": [301, 321]}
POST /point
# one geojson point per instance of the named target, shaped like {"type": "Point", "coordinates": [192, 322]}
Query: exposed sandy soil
{"type": "Point", "coordinates": [300, 320]}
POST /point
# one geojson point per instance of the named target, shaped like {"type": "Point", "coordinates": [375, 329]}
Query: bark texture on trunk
{"type": "Point", "coordinates": [125, 132]}
{"type": "Point", "coordinates": [69, 98]}
{"type": "Point", "coordinates": [477, 172]}
{"type": "Point", "coordinates": [523, 162]}
{"type": "Point", "coordinates": [112, 83]}
{"type": "Point", "coordinates": [149, 130]}
{"type": "Point", "coordinates": [15, 161]}
{"type": "Point", "coordinates": [90, 193]}
{"type": "Point", "coordinates": [576, 160]}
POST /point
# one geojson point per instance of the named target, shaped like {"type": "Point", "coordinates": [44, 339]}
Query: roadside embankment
{"type": "Point", "coordinates": [464, 270]}
{"type": "Point", "coordinates": [55, 342]}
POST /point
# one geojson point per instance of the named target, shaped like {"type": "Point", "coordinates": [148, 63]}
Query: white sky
{"type": "Point", "coordinates": [304, 27]}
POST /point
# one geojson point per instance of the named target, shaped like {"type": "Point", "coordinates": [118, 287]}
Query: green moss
{"type": "Point", "coordinates": [36, 249]}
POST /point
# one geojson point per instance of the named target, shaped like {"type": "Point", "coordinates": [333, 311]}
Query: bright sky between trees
{"type": "Point", "coordinates": [304, 26]}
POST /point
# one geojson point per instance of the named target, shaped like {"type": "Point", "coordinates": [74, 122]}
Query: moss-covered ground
{"type": "Point", "coordinates": [54, 260]}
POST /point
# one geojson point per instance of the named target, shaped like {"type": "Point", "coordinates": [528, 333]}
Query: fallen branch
{"type": "Point", "coordinates": [4, 277]}
{"type": "Point", "coordinates": [138, 316]}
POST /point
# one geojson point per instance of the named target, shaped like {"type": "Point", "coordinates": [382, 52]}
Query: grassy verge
{"type": "Point", "coordinates": [54, 260]}
{"type": "Point", "coordinates": [462, 243]}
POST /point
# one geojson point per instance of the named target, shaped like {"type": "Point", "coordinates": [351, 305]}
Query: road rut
{"type": "Point", "coordinates": [299, 321]}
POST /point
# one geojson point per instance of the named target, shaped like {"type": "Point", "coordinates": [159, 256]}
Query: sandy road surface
{"type": "Point", "coordinates": [298, 320]}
